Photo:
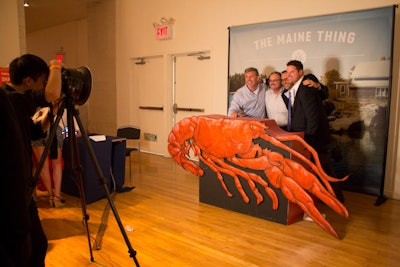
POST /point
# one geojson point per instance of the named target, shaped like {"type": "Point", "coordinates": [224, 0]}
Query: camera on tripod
{"type": "Point", "coordinates": [76, 87]}
{"type": "Point", "coordinates": [77, 83]}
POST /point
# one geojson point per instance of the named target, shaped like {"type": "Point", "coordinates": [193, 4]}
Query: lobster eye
{"type": "Point", "coordinates": [251, 126]}
{"type": "Point", "coordinates": [254, 126]}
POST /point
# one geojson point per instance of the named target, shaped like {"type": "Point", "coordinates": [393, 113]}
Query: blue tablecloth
{"type": "Point", "coordinates": [110, 155]}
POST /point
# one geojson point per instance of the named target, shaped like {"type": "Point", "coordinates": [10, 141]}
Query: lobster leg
{"type": "Point", "coordinates": [316, 168]}
{"type": "Point", "coordinates": [250, 177]}
{"type": "Point", "coordinates": [271, 193]}
{"type": "Point", "coordinates": [293, 192]}
{"type": "Point", "coordinates": [247, 163]}
{"type": "Point", "coordinates": [293, 180]}
{"type": "Point", "coordinates": [275, 166]}
{"type": "Point", "coordinates": [233, 172]}
{"type": "Point", "coordinates": [216, 169]}
{"type": "Point", "coordinates": [308, 181]}
{"type": "Point", "coordinates": [225, 168]}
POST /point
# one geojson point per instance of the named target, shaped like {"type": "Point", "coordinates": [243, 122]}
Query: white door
{"type": "Point", "coordinates": [149, 82]}
{"type": "Point", "coordinates": [169, 89]}
{"type": "Point", "coordinates": [192, 92]}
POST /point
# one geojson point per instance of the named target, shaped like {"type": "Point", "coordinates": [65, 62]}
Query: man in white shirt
{"type": "Point", "coordinates": [249, 100]}
{"type": "Point", "coordinates": [276, 108]}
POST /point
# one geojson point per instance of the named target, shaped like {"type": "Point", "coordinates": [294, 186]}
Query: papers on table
{"type": "Point", "coordinates": [98, 138]}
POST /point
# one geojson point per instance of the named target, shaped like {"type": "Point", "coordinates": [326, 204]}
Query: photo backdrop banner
{"type": "Point", "coordinates": [351, 53]}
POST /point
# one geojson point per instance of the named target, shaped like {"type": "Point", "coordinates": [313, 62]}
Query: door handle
{"type": "Point", "coordinates": [152, 108]}
{"type": "Point", "coordinates": [175, 109]}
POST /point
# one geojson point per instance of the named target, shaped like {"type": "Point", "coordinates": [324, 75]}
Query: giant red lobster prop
{"type": "Point", "coordinates": [215, 138]}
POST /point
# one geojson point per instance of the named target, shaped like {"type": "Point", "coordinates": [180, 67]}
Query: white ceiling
{"type": "Point", "coordinates": [43, 14]}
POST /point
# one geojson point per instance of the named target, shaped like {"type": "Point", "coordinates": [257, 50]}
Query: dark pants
{"type": "Point", "coordinates": [25, 252]}
{"type": "Point", "coordinates": [38, 237]}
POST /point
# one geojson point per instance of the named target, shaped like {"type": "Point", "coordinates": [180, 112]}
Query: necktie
{"type": "Point", "coordinates": [289, 111]}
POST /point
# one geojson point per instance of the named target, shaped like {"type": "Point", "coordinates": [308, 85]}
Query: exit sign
{"type": "Point", "coordinates": [164, 32]}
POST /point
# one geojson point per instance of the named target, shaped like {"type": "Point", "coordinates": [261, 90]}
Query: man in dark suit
{"type": "Point", "coordinates": [308, 116]}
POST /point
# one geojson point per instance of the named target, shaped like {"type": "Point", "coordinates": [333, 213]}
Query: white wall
{"type": "Point", "coordinates": [101, 44]}
{"type": "Point", "coordinates": [72, 38]}
{"type": "Point", "coordinates": [12, 31]}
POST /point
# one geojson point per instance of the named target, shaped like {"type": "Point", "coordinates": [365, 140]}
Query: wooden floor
{"type": "Point", "coordinates": [171, 228]}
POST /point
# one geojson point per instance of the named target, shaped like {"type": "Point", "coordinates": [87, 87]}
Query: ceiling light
{"type": "Point", "coordinates": [26, 4]}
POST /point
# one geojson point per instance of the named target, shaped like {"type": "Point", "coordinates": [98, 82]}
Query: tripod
{"type": "Point", "coordinates": [72, 147]}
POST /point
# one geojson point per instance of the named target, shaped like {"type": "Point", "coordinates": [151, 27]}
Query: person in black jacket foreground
{"type": "Point", "coordinates": [34, 84]}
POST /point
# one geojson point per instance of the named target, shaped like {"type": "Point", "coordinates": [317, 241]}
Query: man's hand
{"type": "Point", "coordinates": [311, 83]}
{"type": "Point", "coordinates": [233, 115]}
{"type": "Point", "coordinates": [44, 117]}
{"type": "Point", "coordinates": [40, 115]}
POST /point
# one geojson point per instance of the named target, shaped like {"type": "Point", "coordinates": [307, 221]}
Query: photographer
{"type": "Point", "coordinates": [33, 84]}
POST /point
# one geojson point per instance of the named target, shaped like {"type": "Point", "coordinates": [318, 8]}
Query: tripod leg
{"type": "Point", "coordinates": [73, 112]}
{"type": "Point", "coordinates": [77, 170]}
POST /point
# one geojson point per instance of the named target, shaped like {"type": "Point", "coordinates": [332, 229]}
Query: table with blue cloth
{"type": "Point", "coordinates": [110, 155]}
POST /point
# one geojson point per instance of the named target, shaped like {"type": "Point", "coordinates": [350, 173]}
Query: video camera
{"type": "Point", "coordinates": [77, 83]}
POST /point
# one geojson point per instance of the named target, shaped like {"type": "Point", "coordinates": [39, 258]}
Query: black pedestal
{"type": "Point", "coordinates": [211, 191]}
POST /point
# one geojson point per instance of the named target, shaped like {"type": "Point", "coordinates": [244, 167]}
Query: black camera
{"type": "Point", "coordinates": [77, 83]}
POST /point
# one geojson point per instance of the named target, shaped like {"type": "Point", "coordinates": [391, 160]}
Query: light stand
{"type": "Point", "coordinates": [72, 113]}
